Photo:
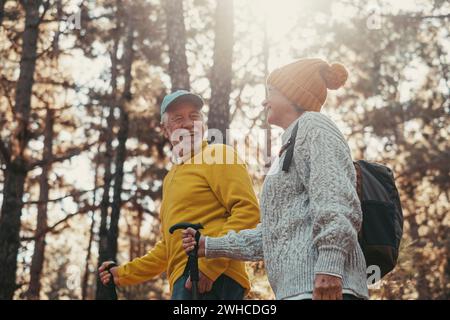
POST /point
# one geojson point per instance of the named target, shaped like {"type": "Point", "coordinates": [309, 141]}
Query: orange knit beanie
{"type": "Point", "coordinates": [305, 82]}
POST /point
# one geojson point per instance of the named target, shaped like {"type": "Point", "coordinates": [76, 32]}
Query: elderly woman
{"type": "Point", "coordinates": [310, 212]}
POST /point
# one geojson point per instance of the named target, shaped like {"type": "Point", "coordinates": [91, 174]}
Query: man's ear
{"type": "Point", "coordinates": [165, 132]}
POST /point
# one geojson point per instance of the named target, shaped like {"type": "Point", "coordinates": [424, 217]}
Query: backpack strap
{"type": "Point", "coordinates": [289, 147]}
{"type": "Point", "coordinates": [359, 186]}
{"type": "Point", "coordinates": [359, 191]}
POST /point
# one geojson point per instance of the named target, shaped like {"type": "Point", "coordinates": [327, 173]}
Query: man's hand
{"type": "Point", "coordinates": [189, 242]}
{"type": "Point", "coordinates": [204, 284]}
{"type": "Point", "coordinates": [327, 287]}
{"type": "Point", "coordinates": [105, 276]}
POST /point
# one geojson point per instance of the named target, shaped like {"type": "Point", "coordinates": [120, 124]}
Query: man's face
{"type": "Point", "coordinates": [184, 123]}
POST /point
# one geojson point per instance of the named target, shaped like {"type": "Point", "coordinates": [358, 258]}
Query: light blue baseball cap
{"type": "Point", "coordinates": [178, 96]}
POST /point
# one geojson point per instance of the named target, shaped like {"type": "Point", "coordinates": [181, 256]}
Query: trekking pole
{"type": "Point", "coordinates": [193, 256]}
{"type": "Point", "coordinates": [110, 293]}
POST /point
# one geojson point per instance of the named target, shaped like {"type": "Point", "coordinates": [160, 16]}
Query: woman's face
{"type": "Point", "coordinates": [280, 111]}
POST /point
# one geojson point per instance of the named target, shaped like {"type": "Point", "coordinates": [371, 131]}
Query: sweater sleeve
{"type": "Point", "coordinates": [244, 245]}
{"type": "Point", "coordinates": [144, 268]}
{"type": "Point", "coordinates": [334, 203]}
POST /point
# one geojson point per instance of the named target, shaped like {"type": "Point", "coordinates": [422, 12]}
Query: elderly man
{"type": "Point", "coordinates": [203, 186]}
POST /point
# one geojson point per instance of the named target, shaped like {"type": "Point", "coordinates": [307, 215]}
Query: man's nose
{"type": "Point", "coordinates": [188, 124]}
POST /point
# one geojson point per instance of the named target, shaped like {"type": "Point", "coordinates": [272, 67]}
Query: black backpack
{"type": "Point", "coordinates": [382, 224]}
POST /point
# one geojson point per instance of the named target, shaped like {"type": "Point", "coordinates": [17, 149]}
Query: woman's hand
{"type": "Point", "coordinates": [327, 287]}
{"type": "Point", "coordinates": [189, 242]}
{"type": "Point", "coordinates": [105, 276]}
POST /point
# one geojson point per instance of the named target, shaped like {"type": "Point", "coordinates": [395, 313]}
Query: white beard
{"type": "Point", "coordinates": [187, 147]}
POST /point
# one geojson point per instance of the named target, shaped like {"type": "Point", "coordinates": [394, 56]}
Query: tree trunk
{"type": "Point", "coordinates": [446, 295]}
{"type": "Point", "coordinates": [17, 168]}
{"type": "Point", "coordinates": [176, 37]}
{"type": "Point", "coordinates": [266, 126]}
{"type": "Point", "coordinates": [56, 38]}
{"type": "Point", "coordinates": [2, 11]}
{"type": "Point", "coordinates": [85, 282]}
{"type": "Point", "coordinates": [37, 261]}
{"type": "Point", "coordinates": [121, 148]}
{"type": "Point", "coordinates": [140, 245]}
{"type": "Point", "coordinates": [131, 251]}
{"type": "Point", "coordinates": [110, 250]}
{"type": "Point", "coordinates": [219, 112]}
{"type": "Point", "coordinates": [105, 202]}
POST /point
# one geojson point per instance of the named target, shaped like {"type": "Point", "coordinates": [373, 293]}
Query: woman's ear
{"type": "Point", "coordinates": [299, 109]}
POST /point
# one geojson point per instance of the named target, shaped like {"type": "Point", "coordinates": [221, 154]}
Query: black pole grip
{"type": "Point", "coordinates": [111, 286]}
{"type": "Point", "coordinates": [185, 225]}
{"type": "Point", "coordinates": [192, 262]}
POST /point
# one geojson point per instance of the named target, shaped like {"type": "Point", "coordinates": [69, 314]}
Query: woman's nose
{"type": "Point", "coordinates": [264, 103]}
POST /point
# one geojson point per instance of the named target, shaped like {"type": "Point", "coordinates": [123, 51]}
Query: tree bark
{"type": "Point", "coordinates": [85, 282]}
{"type": "Point", "coordinates": [84, 285]}
{"type": "Point", "coordinates": [176, 37]}
{"type": "Point", "coordinates": [121, 153]}
{"type": "Point", "coordinates": [110, 250]}
{"type": "Point", "coordinates": [219, 112]}
{"type": "Point", "coordinates": [17, 169]}
{"type": "Point", "coordinates": [105, 202]}
{"type": "Point", "coordinates": [2, 11]}
{"type": "Point", "coordinates": [37, 261]}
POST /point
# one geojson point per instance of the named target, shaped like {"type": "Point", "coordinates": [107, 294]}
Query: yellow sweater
{"type": "Point", "coordinates": [220, 196]}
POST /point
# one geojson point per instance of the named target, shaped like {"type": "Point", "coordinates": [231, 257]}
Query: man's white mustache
{"type": "Point", "coordinates": [187, 135]}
